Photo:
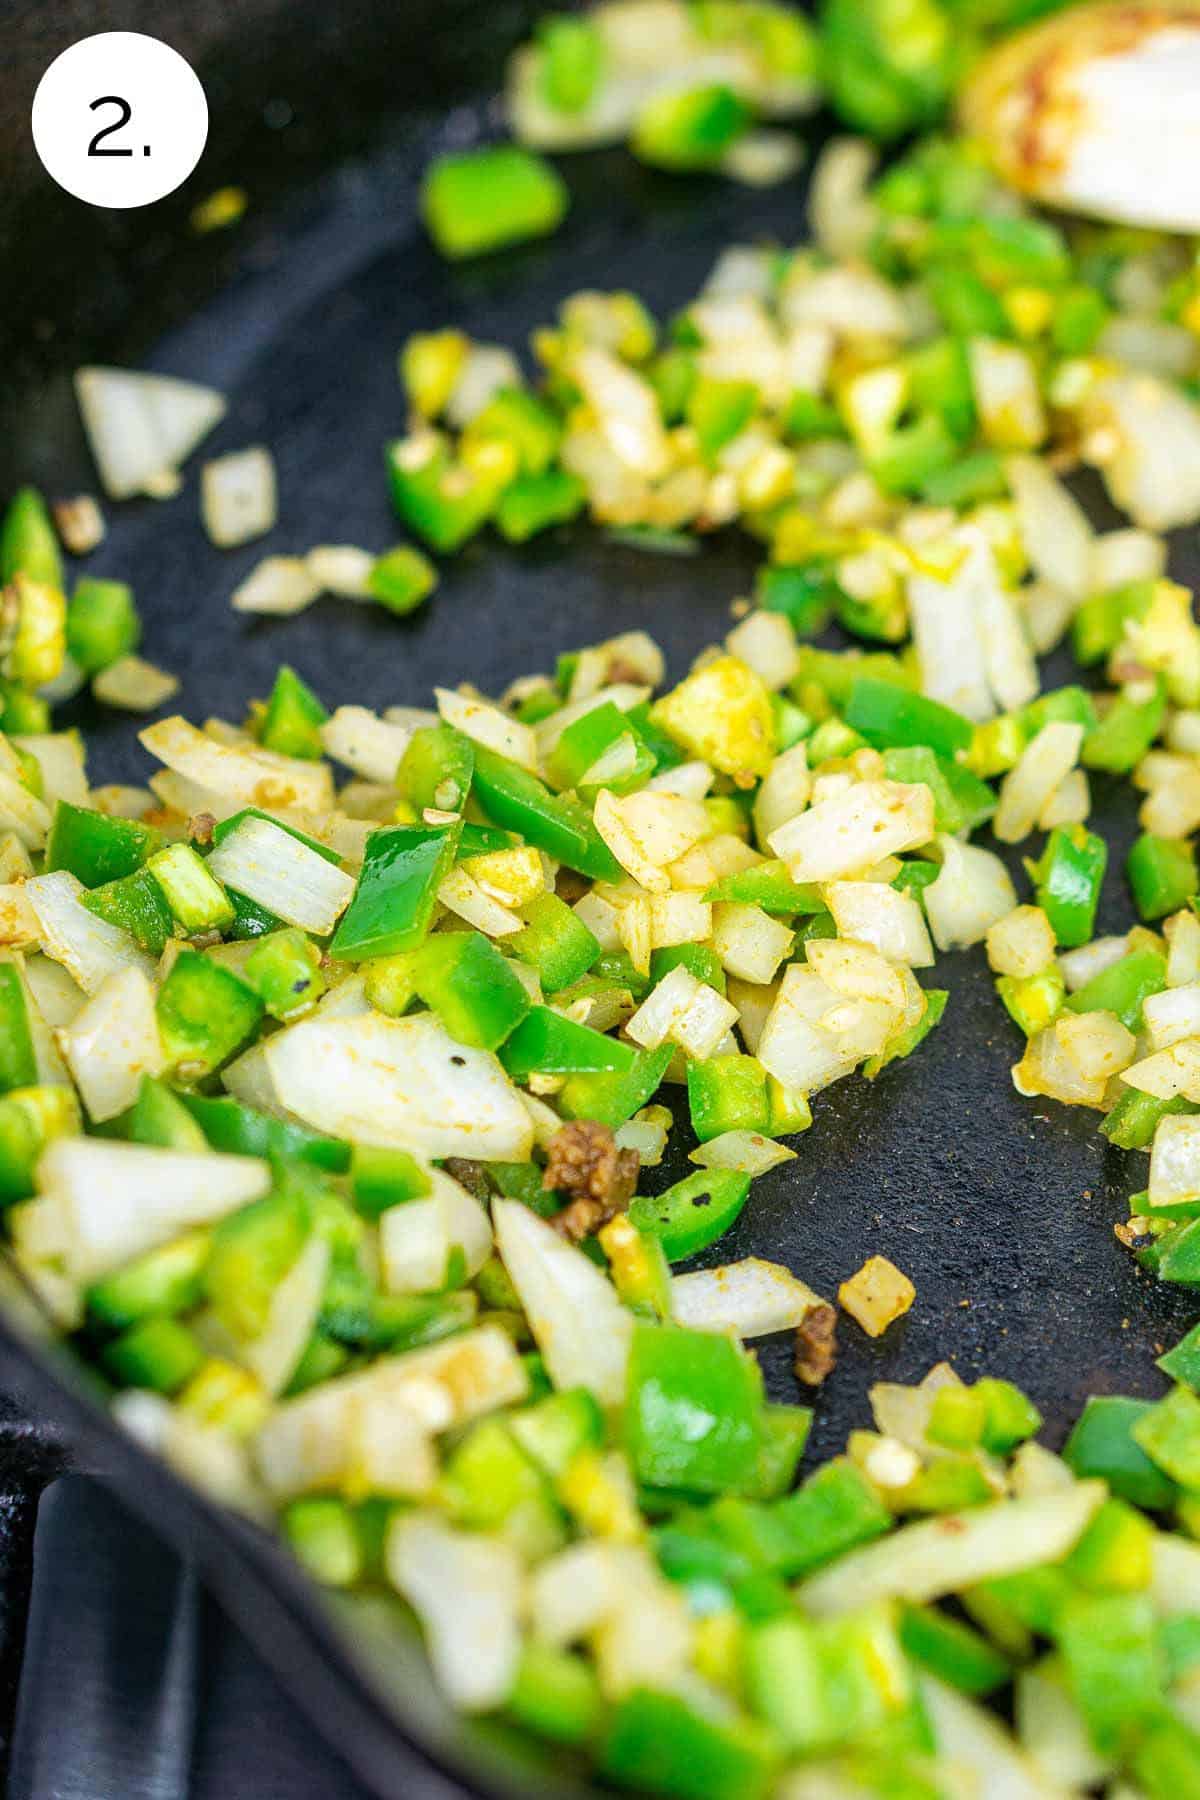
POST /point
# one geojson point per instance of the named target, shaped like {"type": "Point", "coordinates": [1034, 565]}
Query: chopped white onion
{"type": "Point", "coordinates": [751, 1298]}
{"type": "Point", "coordinates": [142, 427]}
{"type": "Point", "coordinates": [134, 685]}
{"type": "Point", "coordinates": [580, 1326]}
{"type": "Point", "coordinates": [271, 867]}
{"type": "Point", "coordinates": [89, 948]}
{"type": "Point", "coordinates": [466, 1589]}
{"type": "Point", "coordinates": [112, 1043]}
{"type": "Point", "coordinates": [418, 1238]}
{"type": "Point", "coordinates": [237, 496]}
{"type": "Point", "coordinates": [279, 586]}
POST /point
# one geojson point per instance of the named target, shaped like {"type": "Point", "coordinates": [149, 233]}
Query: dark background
{"type": "Point", "coordinates": [1000, 1209]}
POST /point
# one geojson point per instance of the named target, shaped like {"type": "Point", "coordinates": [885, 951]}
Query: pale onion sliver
{"type": "Point", "coordinates": [271, 867]}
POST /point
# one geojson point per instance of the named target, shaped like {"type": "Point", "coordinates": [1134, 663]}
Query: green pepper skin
{"type": "Point", "coordinates": [694, 1213]}
{"type": "Point", "coordinates": [392, 906]}
{"type": "Point", "coordinates": [518, 801]}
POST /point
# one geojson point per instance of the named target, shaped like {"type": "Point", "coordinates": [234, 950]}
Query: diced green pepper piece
{"type": "Point", "coordinates": [952, 1651]}
{"type": "Point", "coordinates": [1116, 1551]}
{"type": "Point", "coordinates": [135, 904]}
{"type": "Point", "coordinates": [727, 1093]}
{"type": "Point", "coordinates": [718, 409]}
{"type": "Point", "coordinates": [805, 592]}
{"type": "Point", "coordinates": [1080, 315]}
{"type": "Point", "coordinates": [96, 848]}
{"type": "Point", "coordinates": [1182, 1363]}
{"type": "Point", "coordinates": [323, 1534]}
{"type": "Point", "coordinates": [694, 1405]}
{"type": "Point", "coordinates": [546, 1043]}
{"type": "Point", "coordinates": [436, 769]}
{"type": "Point", "coordinates": [401, 579]}
{"type": "Point", "coordinates": [534, 503]}
{"type": "Point", "coordinates": [159, 1117]}
{"type": "Point", "coordinates": [382, 1178]}
{"type": "Point", "coordinates": [978, 476]}
{"type": "Point", "coordinates": [1122, 988]}
{"type": "Point", "coordinates": [553, 1431]}
{"type": "Point", "coordinates": [241, 1131]}
{"type": "Point", "coordinates": [555, 823]}
{"type": "Point", "coordinates": [437, 497]}
{"type": "Point", "coordinates": [693, 1213]}
{"type": "Point", "coordinates": [471, 987]}
{"type": "Point", "coordinates": [889, 63]}
{"type": "Point", "coordinates": [1170, 1435]}
{"type": "Point", "coordinates": [768, 885]}
{"type": "Point", "coordinates": [204, 1014]}
{"type": "Point", "coordinates": [28, 543]}
{"type": "Point", "coordinates": [554, 941]}
{"type": "Point", "coordinates": [1132, 1122]}
{"type": "Point", "coordinates": [690, 128]}
{"type": "Point", "coordinates": [481, 200]}
{"type": "Point", "coordinates": [556, 1695]}
{"type": "Point", "coordinates": [284, 969]}
{"type": "Point", "coordinates": [1103, 1444]}
{"type": "Point", "coordinates": [1162, 874]}
{"type": "Point", "coordinates": [102, 623]}
{"type": "Point", "coordinates": [885, 714]}
{"type": "Point", "coordinates": [195, 897]}
{"type": "Point", "coordinates": [18, 1065]}
{"type": "Point", "coordinates": [161, 1282]}
{"type": "Point", "coordinates": [613, 1098]}
{"type": "Point", "coordinates": [657, 1742]}
{"type": "Point", "coordinates": [159, 1354]}
{"type": "Point", "coordinates": [252, 1250]}
{"type": "Point", "coordinates": [1067, 880]}
{"type": "Point", "coordinates": [392, 906]}
{"type": "Point", "coordinates": [1109, 1645]}
{"type": "Point", "coordinates": [1166, 1760]}
{"type": "Point", "coordinates": [1125, 732]}
{"type": "Point", "coordinates": [605, 740]}
{"type": "Point", "coordinates": [698, 959]}
{"type": "Point", "coordinates": [293, 718]}
{"type": "Point", "coordinates": [1099, 624]}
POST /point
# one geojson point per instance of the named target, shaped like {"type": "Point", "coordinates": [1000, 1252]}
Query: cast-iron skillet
{"type": "Point", "coordinates": [1000, 1209]}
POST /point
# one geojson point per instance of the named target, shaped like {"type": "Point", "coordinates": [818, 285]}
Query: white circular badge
{"type": "Point", "coordinates": [119, 119]}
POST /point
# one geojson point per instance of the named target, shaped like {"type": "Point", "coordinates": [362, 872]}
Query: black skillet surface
{"type": "Point", "coordinates": [1000, 1209]}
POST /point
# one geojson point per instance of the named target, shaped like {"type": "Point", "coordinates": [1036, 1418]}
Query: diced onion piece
{"type": "Point", "coordinates": [1145, 434]}
{"type": "Point", "coordinates": [399, 1082]}
{"type": "Point", "coordinates": [1052, 1732]}
{"type": "Point", "coordinates": [578, 1323]}
{"type": "Point", "coordinates": [22, 813]}
{"type": "Point", "coordinates": [971, 1739]}
{"type": "Point", "coordinates": [237, 496]}
{"type": "Point", "coordinates": [56, 996]}
{"type": "Point", "coordinates": [949, 645]}
{"type": "Point", "coordinates": [141, 427]}
{"type": "Point", "coordinates": [487, 725]}
{"type": "Point", "coordinates": [791, 1044]}
{"type": "Point", "coordinates": [486, 368]}
{"type": "Point", "coordinates": [971, 893]}
{"type": "Point", "coordinates": [466, 1590]}
{"type": "Point", "coordinates": [1007, 396]}
{"type": "Point", "coordinates": [1080, 966]}
{"type": "Point", "coordinates": [1044, 763]}
{"type": "Point", "coordinates": [846, 835]}
{"type": "Point", "coordinates": [372, 1429]}
{"type": "Point", "coordinates": [418, 1239]}
{"type": "Point", "coordinates": [763, 158]}
{"type": "Point", "coordinates": [766, 642]}
{"type": "Point", "coordinates": [944, 1555]}
{"type": "Point", "coordinates": [270, 866]}
{"type": "Point", "coordinates": [1175, 1161]}
{"type": "Point", "coordinates": [1046, 1068]}
{"type": "Point", "coordinates": [748, 1151]}
{"type": "Point", "coordinates": [60, 757]}
{"type": "Point", "coordinates": [751, 1298]}
{"type": "Point", "coordinates": [646, 1133]}
{"type": "Point", "coordinates": [18, 921]}
{"type": "Point", "coordinates": [112, 1043]}
{"type": "Point", "coordinates": [1022, 943]}
{"type": "Point", "coordinates": [279, 586]}
{"type": "Point", "coordinates": [1055, 530]}
{"type": "Point", "coordinates": [341, 569]}
{"type": "Point", "coordinates": [878, 914]}
{"type": "Point", "coordinates": [783, 793]}
{"type": "Point", "coordinates": [1168, 1072]}
{"type": "Point", "coordinates": [1172, 1015]}
{"type": "Point", "coordinates": [121, 1200]}
{"type": "Point", "coordinates": [248, 775]}
{"type": "Point", "coordinates": [749, 942]}
{"type": "Point", "coordinates": [840, 210]}
{"type": "Point", "coordinates": [79, 523]}
{"type": "Point", "coordinates": [89, 948]}
{"type": "Point", "coordinates": [1097, 1043]}
{"type": "Point", "coordinates": [1182, 932]}
{"type": "Point", "coordinates": [687, 1011]}
{"type": "Point", "coordinates": [626, 410]}
{"type": "Point", "coordinates": [369, 745]}
{"type": "Point", "coordinates": [1070, 803]}
{"type": "Point", "coordinates": [134, 685]}
{"type": "Point", "coordinates": [462, 895]}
